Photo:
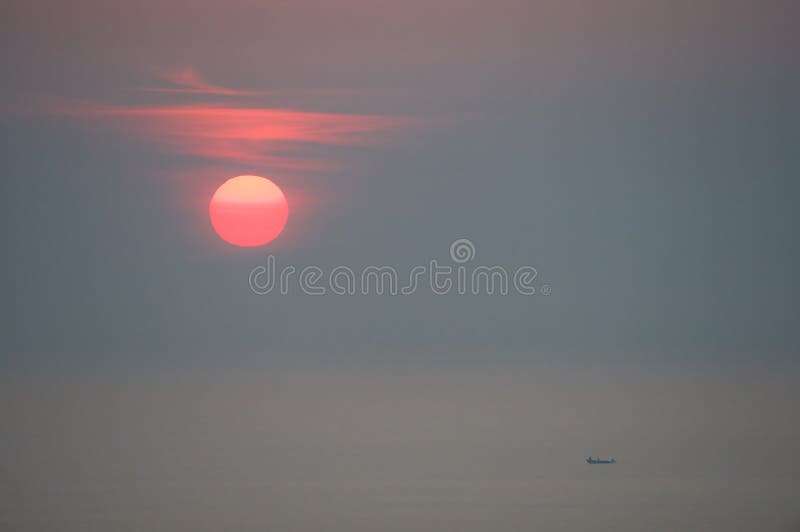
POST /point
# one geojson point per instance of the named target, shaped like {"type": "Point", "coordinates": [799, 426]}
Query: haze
{"type": "Point", "coordinates": [640, 155]}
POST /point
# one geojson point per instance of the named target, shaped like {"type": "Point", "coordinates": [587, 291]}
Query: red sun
{"type": "Point", "coordinates": [248, 210]}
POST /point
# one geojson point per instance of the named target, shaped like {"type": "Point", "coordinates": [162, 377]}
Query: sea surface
{"type": "Point", "coordinates": [409, 449]}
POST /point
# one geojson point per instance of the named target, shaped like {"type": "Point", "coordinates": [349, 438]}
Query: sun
{"type": "Point", "coordinates": [248, 211]}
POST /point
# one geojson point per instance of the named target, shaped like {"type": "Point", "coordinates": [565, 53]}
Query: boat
{"type": "Point", "coordinates": [591, 460]}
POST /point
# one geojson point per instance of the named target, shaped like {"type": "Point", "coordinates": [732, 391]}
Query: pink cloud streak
{"type": "Point", "coordinates": [270, 137]}
{"type": "Point", "coordinates": [251, 134]}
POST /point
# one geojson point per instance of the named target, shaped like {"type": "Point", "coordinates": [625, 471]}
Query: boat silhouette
{"type": "Point", "coordinates": [591, 460]}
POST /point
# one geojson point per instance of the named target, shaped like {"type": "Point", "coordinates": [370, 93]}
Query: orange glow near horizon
{"type": "Point", "coordinates": [248, 211]}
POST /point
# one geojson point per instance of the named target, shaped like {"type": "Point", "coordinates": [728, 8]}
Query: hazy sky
{"type": "Point", "coordinates": [641, 155]}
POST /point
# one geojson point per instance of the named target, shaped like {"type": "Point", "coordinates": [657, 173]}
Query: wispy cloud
{"type": "Point", "coordinates": [252, 135]}
{"type": "Point", "coordinates": [188, 81]}
{"type": "Point", "coordinates": [239, 130]}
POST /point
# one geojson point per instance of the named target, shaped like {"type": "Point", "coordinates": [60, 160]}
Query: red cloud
{"type": "Point", "coordinates": [254, 135]}
{"type": "Point", "coordinates": [270, 137]}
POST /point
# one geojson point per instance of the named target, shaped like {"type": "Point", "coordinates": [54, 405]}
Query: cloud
{"type": "Point", "coordinates": [188, 81]}
{"type": "Point", "coordinates": [237, 132]}
{"type": "Point", "coordinates": [270, 137]}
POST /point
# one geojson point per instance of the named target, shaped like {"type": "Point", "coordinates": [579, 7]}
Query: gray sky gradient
{"type": "Point", "coordinates": [641, 155]}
